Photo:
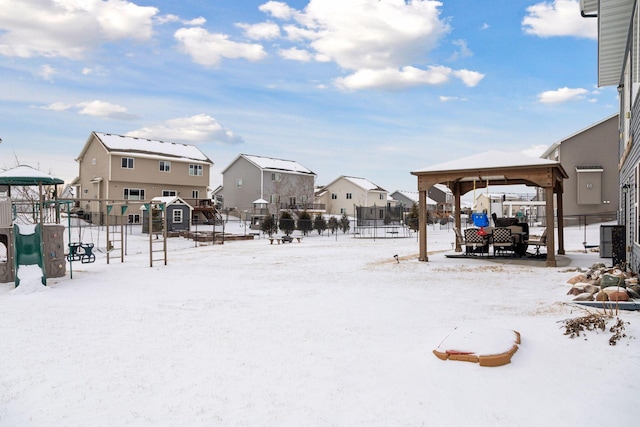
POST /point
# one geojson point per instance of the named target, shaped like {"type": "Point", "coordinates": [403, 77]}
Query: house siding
{"type": "Point", "coordinates": [241, 198]}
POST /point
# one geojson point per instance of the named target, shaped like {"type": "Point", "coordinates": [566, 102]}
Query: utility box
{"type": "Point", "coordinates": [612, 243]}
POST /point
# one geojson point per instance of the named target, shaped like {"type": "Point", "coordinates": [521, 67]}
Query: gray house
{"type": "Point", "coordinates": [618, 56]}
{"type": "Point", "coordinates": [283, 184]}
{"type": "Point", "coordinates": [592, 188]}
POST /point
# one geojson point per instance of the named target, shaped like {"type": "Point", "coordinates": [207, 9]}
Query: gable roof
{"type": "Point", "coordinates": [488, 160]}
{"type": "Point", "coordinates": [140, 146]}
{"type": "Point", "coordinates": [555, 145]}
{"type": "Point", "coordinates": [271, 164]}
{"type": "Point", "coordinates": [365, 184]}
{"type": "Point", "coordinates": [413, 196]}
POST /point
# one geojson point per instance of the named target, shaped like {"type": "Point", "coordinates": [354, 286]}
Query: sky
{"type": "Point", "coordinates": [365, 88]}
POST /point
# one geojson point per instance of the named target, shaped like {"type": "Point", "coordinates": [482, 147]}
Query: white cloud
{"type": "Point", "coordinates": [209, 49]}
{"type": "Point", "coordinates": [47, 72]}
{"type": "Point", "coordinates": [391, 78]}
{"type": "Point", "coordinates": [57, 106]}
{"type": "Point", "coordinates": [451, 98]}
{"type": "Point", "coordinates": [382, 43]}
{"type": "Point", "coordinates": [558, 18]}
{"type": "Point", "coordinates": [484, 26]}
{"type": "Point", "coordinates": [295, 54]}
{"type": "Point", "coordinates": [169, 18]}
{"type": "Point", "coordinates": [469, 78]}
{"type": "Point", "coordinates": [463, 50]}
{"type": "Point", "coordinates": [104, 109]}
{"type": "Point", "coordinates": [563, 94]}
{"type": "Point", "coordinates": [278, 9]}
{"type": "Point", "coordinates": [194, 129]}
{"type": "Point", "coordinates": [262, 31]}
{"type": "Point", "coordinates": [69, 28]}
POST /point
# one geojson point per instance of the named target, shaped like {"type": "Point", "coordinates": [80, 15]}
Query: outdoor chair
{"type": "Point", "coordinates": [537, 241]}
{"type": "Point", "coordinates": [475, 242]}
{"type": "Point", "coordinates": [502, 240]}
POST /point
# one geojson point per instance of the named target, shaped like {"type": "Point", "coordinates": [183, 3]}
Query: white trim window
{"type": "Point", "coordinates": [133, 193]}
{"type": "Point", "coordinates": [134, 219]}
{"type": "Point", "coordinates": [195, 170]}
{"type": "Point", "coordinates": [349, 196]}
{"type": "Point", "coordinates": [195, 194]}
{"type": "Point", "coordinates": [334, 196]}
{"type": "Point", "coordinates": [177, 216]}
{"type": "Point", "coordinates": [165, 166]}
{"type": "Point", "coordinates": [239, 183]}
{"type": "Point", "coordinates": [169, 193]}
{"type": "Point", "coordinates": [127, 163]}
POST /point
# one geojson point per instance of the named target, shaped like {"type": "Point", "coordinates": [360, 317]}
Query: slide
{"type": "Point", "coordinates": [28, 249]}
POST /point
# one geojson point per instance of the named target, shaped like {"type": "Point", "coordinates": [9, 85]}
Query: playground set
{"type": "Point", "coordinates": [31, 232]}
{"type": "Point", "coordinates": [26, 238]}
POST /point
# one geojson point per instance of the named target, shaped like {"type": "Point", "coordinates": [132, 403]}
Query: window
{"type": "Point", "coordinates": [195, 194]}
{"type": "Point", "coordinates": [274, 198]}
{"type": "Point", "coordinates": [169, 193]}
{"type": "Point", "coordinates": [127, 163]}
{"type": "Point", "coordinates": [349, 196]}
{"type": "Point", "coordinates": [94, 161]}
{"type": "Point", "coordinates": [133, 194]}
{"type": "Point", "coordinates": [134, 219]}
{"type": "Point", "coordinates": [238, 183]}
{"type": "Point", "coordinates": [334, 196]}
{"type": "Point", "coordinates": [381, 196]}
{"type": "Point", "coordinates": [165, 166]}
{"type": "Point", "coordinates": [275, 176]}
{"type": "Point", "coordinates": [195, 170]}
{"type": "Point", "coordinates": [343, 210]}
{"type": "Point", "coordinates": [292, 201]}
{"type": "Point", "coordinates": [177, 215]}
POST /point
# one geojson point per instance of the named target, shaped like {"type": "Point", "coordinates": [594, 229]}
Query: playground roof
{"type": "Point", "coordinates": [26, 175]}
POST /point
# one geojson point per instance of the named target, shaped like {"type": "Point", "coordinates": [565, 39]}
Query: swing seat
{"type": "Point", "coordinates": [75, 253]}
{"type": "Point", "coordinates": [88, 256]}
{"type": "Point", "coordinates": [82, 252]}
{"type": "Point", "coordinates": [480, 219]}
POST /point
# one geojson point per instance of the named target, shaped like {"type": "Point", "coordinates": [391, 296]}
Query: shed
{"type": "Point", "coordinates": [177, 211]}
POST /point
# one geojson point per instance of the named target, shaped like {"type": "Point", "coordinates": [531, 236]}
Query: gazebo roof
{"type": "Point", "coordinates": [493, 168]}
{"type": "Point", "coordinates": [26, 175]}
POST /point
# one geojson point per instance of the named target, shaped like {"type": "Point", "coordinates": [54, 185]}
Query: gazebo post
{"type": "Point", "coordinates": [551, 251]}
{"type": "Point", "coordinates": [422, 226]}
{"type": "Point", "coordinates": [457, 216]}
{"type": "Point", "coordinates": [560, 214]}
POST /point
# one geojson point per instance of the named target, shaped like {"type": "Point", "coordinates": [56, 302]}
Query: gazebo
{"type": "Point", "coordinates": [495, 168]}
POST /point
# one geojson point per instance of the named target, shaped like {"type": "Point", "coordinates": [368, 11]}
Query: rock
{"type": "Point", "coordinates": [633, 294]}
{"type": "Point", "coordinates": [613, 289]}
{"type": "Point", "coordinates": [592, 289]}
{"type": "Point", "coordinates": [585, 296]}
{"type": "Point", "coordinates": [619, 296]}
{"type": "Point", "coordinates": [576, 290]}
{"type": "Point", "coordinates": [602, 296]}
{"type": "Point", "coordinates": [577, 279]}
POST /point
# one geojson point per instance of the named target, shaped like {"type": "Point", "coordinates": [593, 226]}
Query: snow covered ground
{"type": "Point", "coordinates": [330, 331]}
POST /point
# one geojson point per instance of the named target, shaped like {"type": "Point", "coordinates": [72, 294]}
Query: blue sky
{"type": "Point", "coordinates": [367, 88]}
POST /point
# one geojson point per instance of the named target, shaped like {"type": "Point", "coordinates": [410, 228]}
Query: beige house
{"type": "Point", "coordinates": [344, 193]}
{"type": "Point", "coordinates": [115, 169]}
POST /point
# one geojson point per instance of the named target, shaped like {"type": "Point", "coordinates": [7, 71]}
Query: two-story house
{"type": "Point", "coordinates": [255, 186]}
{"type": "Point", "coordinates": [345, 193]}
{"type": "Point", "coordinates": [117, 169]}
{"type": "Point", "coordinates": [618, 65]}
{"type": "Point", "coordinates": [407, 199]}
{"type": "Point", "coordinates": [592, 187]}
